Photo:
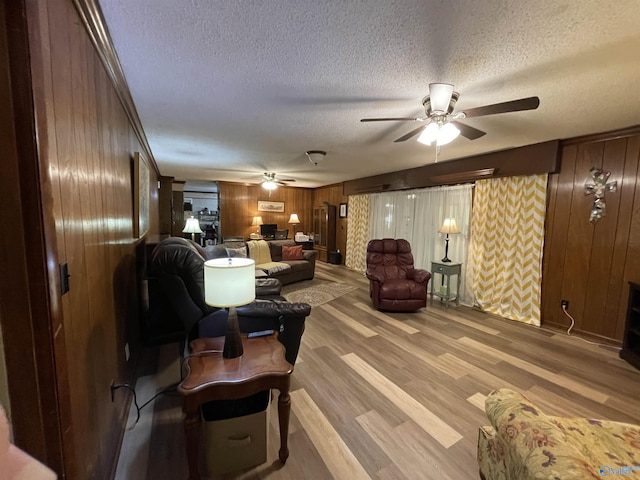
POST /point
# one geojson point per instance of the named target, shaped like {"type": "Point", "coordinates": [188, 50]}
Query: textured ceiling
{"type": "Point", "coordinates": [227, 89]}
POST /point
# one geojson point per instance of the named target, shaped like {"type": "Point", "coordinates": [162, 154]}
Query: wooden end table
{"type": "Point", "coordinates": [212, 377]}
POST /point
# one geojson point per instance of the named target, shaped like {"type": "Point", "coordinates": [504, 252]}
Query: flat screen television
{"type": "Point", "coordinates": [268, 230]}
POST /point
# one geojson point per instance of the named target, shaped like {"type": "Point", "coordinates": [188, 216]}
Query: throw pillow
{"type": "Point", "coordinates": [237, 252]}
{"type": "Point", "coordinates": [292, 253]}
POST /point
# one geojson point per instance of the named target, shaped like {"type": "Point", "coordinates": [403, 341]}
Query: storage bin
{"type": "Point", "coordinates": [236, 443]}
{"type": "Point", "coordinates": [335, 258]}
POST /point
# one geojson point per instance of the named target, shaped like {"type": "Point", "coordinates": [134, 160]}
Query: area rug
{"type": "Point", "coordinates": [315, 292]}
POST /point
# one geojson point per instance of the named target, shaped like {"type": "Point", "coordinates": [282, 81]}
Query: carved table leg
{"type": "Point", "coordinates": [192, 439]}
{"type": "Point", "coordinates": [284, 409]}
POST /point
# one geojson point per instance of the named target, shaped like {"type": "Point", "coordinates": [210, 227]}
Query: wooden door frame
{"type": "Point", "coordinates": [27, 256]}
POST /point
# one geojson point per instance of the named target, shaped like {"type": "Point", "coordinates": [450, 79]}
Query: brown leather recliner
{"type": "Point", "coordinates": [394, 283]}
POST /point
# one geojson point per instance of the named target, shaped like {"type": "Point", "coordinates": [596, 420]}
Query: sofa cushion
{"type": "Point", "coordinates": [273, 267]}
{"type": "Point", "coordinates": [237, 252]}
{"type": "Point", "coordinates": [259, 251]}
{"type": "Point", "coordinates": [275, 246]}
{"type": "Point", "coordinates": [214, 251]}
{"type": "Point", "coordinates": [292, 253]}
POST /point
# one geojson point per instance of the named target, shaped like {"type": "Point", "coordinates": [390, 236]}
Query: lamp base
{"type": "Point", "coordinates": [232, 340]}
{"type": "Point", "coordinates": [446, 250]}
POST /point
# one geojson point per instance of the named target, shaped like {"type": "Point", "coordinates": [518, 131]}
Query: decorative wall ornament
{"type": "Point", "coordinates": [598, 188]}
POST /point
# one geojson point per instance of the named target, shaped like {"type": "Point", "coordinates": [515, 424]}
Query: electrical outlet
{"type": "Point", "coordinates": [564, 304]}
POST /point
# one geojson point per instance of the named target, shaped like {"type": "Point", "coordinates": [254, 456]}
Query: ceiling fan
{"type": "Point", "coordinates": [269, 181]}
{"type": "Point", "coordinates": [441, 125]}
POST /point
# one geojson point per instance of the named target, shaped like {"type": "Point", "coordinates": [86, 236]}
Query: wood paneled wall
{"type": "Point", "coordinates": [334, 196]}
{"type": "Point", "coordinates": [590, 264]}
{"type": "Point", "coordinates": [239, 204]}
{"type": "Point", "coordinates": [75, 198]}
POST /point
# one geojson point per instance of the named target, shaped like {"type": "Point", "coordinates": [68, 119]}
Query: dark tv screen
{"type": "Point", "coordinates": [268, 230]}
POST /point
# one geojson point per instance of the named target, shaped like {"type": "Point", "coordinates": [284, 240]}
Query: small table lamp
{"type": "Point", "coordinates": [294, 220]}
{"type": "Point", "coordinates": [228, 283]}
{"type": "Point", "coordinates": [192, 226]}
{"type": "Point", "coordinates": [256, 222]}
{"type": "Point", "coordinates": [449, 226]}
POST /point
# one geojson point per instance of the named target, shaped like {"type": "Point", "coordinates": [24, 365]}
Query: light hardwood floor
{"type": "Point", "coordinates": [393, 396]}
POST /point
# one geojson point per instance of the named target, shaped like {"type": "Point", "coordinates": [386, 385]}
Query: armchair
{"type": "Point", "coordinates": [394, 283]}
{"type": "Point", "coordinates": [524, 443]}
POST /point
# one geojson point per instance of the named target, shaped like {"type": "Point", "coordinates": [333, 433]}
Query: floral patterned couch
{"type": "Point", "coordinates": [524, 443]}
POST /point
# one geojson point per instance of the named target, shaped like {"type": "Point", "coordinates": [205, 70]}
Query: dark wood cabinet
{"type": "Point", "coordinates": [631, 341]}
{"type": "Point", "coordinates": [324, 231]}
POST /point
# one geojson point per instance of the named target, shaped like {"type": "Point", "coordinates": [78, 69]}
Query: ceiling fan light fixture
{"type": "Point", "coordinates": [429, 134]}
{"type": "Point", "coordinates": [269, 185]}
{"type": "Point", "coordinates": [448, 132]}
{"type": "Point", "coordinates": [441, 134]}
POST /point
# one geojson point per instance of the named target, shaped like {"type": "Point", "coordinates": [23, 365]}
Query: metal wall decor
{"type": "Point", "coordinates": [598, 188]}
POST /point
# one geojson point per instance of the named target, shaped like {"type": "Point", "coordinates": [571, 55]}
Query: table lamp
{"type": "Point", "coordinates": [228, 283]}
{"type": "Point", "coordinates": [449, 226]}
{"type": "Point", "coordinates": [294, 220]}
{"type": "Point", "coordinates": [192, 226]}
{"type": "Point", "coordinates": [256, 222]}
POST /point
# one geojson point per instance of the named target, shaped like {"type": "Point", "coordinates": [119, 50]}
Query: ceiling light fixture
{"type": "Point", "coordinates": [439, 132]}
{"type": "Point", "coordinates": [315, 156]}
{"type": "Point", "coordinates": [269, 185]}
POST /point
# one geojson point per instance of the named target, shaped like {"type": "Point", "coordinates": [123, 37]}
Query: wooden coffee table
{"type": "Point", "coordinates": [212, 377]}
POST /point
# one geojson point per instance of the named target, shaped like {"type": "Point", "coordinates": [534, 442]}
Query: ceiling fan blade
{"type": "Point", "coordinates": [412, 133]}
{"type": "Point", "coordinates": [529, 103]}
{"type": "Point", "coordinates": [440, 95]}
{"type": "Point", "coordinates": [401, 119]}
{"type": "Point", "coordinates": [469, 132]}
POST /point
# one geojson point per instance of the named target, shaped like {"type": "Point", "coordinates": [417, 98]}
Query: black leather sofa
{"type": "Point", "coordinates": [177, 269]}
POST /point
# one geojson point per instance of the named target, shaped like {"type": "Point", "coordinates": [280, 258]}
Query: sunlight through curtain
{"type": "Point", "coordinates": [417, 215]}
{"type": "Point", "coordinates": [507, 236]}
{"type": "Point", "coordinates": [357, 232]}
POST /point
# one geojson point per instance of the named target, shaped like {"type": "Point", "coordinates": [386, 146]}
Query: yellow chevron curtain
{"type": "Point", "coordinates": [507, 236]}
{"type": "Point", "coordinates": [357, 232]}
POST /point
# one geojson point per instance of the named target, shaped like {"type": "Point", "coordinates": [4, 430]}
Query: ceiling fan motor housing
{"type": "Point", "coordinates": [426, 103]}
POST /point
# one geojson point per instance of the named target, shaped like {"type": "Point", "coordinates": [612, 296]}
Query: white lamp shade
{"type": "Point", "coordinates": [257, 220]}
{"type": "Point", "coordinates": [449, 226]}
{"type": "Point", "coordinates": [294, 218]}
{"type": "Point", "coordinates": [269, 185]}
{"type": "Point", "coordinates": [229, 282]}
{"type": "Point", "coordinates": [192, 226]}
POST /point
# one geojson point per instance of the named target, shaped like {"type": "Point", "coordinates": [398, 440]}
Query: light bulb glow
{"type": "Point", "coordinates": [429, 134]}
{"type": "Point", "coordinates": [441, 134]}
{"type": "Point", "coordinates": [448, 132]}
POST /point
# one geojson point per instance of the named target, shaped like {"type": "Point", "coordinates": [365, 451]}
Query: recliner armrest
{"type": "Point", "coordinates": [418, 275]}
{"type": "Point", "coordinates": [285, 318]}
{"type": "Point", "coordinates": [374, 275]}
